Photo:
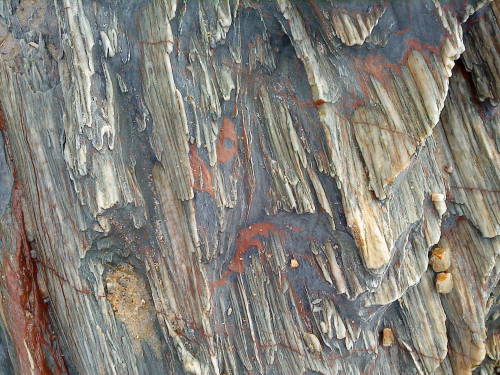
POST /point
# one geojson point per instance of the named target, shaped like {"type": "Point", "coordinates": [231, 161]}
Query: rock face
{"type": "Point", "coordinates": [240, 187]}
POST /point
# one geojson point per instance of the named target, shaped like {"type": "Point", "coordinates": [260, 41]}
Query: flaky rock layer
{"type": "Point", "coordinates": [232, 187]}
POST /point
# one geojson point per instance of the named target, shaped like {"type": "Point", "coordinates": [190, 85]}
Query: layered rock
{"type": "Point", "coordinates": [250, 187]}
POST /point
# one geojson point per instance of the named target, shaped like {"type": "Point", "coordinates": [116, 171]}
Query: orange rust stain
{"type": "Point", "coordinates": [441, 276]}
{"type": "Point", "coordinates": [227, 131]}
{"type": "Point", "coordinates": [319, 102]}
{"type": "Point", "coordinates": [246, 239]}
{"type": "Point", "coordinates": [203, 180]}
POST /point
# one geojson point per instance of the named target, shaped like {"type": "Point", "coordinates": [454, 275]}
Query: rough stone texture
{"type": "Point", "coordinates": [232, 187]}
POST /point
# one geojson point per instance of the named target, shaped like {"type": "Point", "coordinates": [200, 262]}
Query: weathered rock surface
{"type": "Point", "coordinates": [232, 187]}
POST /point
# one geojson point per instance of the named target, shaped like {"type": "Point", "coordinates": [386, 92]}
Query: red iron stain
{"type": "Point", "coordinates": [319, 102]}
{"type": "Point", "coordinates": [26, 312]}
{"type": "Point", "coordinates": [3, 127]}
{"type": "Point", "coordinates": [249, 173]}
{"type": "Point", "coordinates": [380, 68]}
{"type": "Point", "coordinates": [415, 44]}
{"type": "Point", "coordinates": [300, 308]}
{"type": "Point", "coordinates": [222, 281]}
{"type": "Point", "coordinates": [356, 13]}
{"type": "Point", "coordinates": [403, 31]}
{"type": "Point", "coordinates": [202, 176]}
{"type": "Point", "coordinates": [377, 67]}
{"type": "Point", "coordinates": [246, 239]}
{"type": "Point", "coordinates": [227, 131]}
{"type": "Point", "coordinates": [352, 102]}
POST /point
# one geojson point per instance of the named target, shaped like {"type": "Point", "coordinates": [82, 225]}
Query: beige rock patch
{"type": "Point", "coordinates": [387, 337]}
{"type": "Point", "coordinates": [132, 305]}
{"type": "Point", "coordinates": [444, 282]}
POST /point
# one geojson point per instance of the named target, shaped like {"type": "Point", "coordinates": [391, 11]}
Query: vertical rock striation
{"type": "Point", "coordinates": [231, 187]}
